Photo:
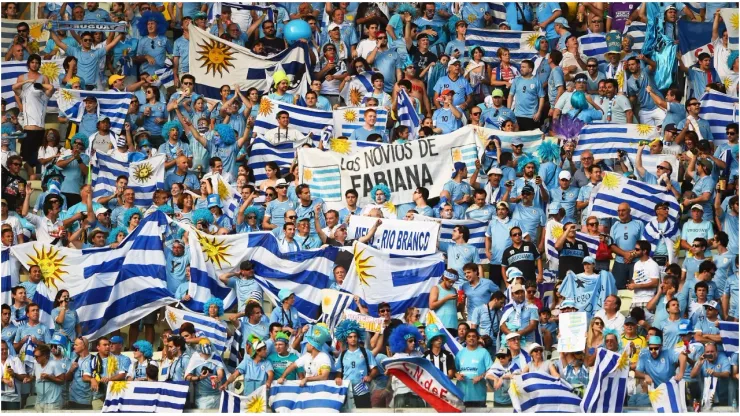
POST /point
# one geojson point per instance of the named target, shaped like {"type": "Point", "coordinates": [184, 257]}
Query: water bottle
{"type": "Point", "coordinates": [734, 405]}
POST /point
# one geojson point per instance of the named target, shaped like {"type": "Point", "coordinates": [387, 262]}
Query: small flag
{"type": "Point", "coordinates": [256, 402]}
{"type": "Point", "coordinates": [669, 397]}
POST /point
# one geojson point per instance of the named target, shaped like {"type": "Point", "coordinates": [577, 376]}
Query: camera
{"type": "Point", "coordinates": [509, 183]}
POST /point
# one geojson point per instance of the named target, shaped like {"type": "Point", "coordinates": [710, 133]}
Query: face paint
{"type": "Point", "coordinates": [202, 129]}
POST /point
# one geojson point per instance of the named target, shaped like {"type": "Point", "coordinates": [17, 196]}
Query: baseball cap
{"type": "Point", "coordinates": [448, 92]}
{"type": "Point", "coordinates": [707, 164]}
{"type": "Point", "coordinates": [497, 93]}
{"type": "Point", "coordinates": [670, 7]}
{"type": "Point", "coordinates": [332, 26]}
{"type": "Point", "coordinates": [552, 209]}
{"type": "Point", "coordinates": [101, 210]}
{"type": "Point", "coordinates": [453, 61]}
{"type": "Point", "coordinates": [697, 206]}
{"type": "Point", "coordinates": [495, 171]}
{"type": "Point", "coordinates": [528, 188]}
{"type": "Point", "coordinates": [567, 303]}
{"type": "Point", "coordinates": [460, 23]}
{"type": "Point", "coordinates": [342, 225]}
{"type": "Point", "coordinates": [115, 77]}
{"type": "Point", "coordinates": [502, 204]}
{"type": "Point", "coordinates": [562, 21]}
{"type": "Point", "coordinates": [580, 77]}
{"type": "Point", "coordinates": [512, 335]}
{"type": "Point", "coordinates": [589, 260]}
{"type": "Point", "coordinates": [516, 141]}
{"type": "Point", "coordinates": [684, 327]}
{"type": "Point", "coordinates": [281, 183]}
{"type": "Point", "coordinates": [655, 340]}
{"type": "Point", "coordinates": [630, 321]}
{"type": "Point", "coordinates": [533, 346]}
{"type": "Point", "coordinates": [90, 98]}
{"type": "Point", "coordinates": [58, 339]}
{"type": "Point", "coordinates": [516, 287]}
{"type": "Point", "coordinates": [712, 304]}
{"type": "Point", "coordinates": [564, 175]}
{"type": "Point", "coordinates": [116, 340]}
{"type": "Point", "coordinates": [670, 127]}
{"type": "Point", "coordinates": [503, 351]}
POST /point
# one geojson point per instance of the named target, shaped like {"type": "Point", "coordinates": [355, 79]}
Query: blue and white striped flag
{"type": "Point", "coordinates": [270, 9]}
{"type": "Point", "coordinates": [537, 393]}
{"type": "Point", "coordinates": [110, 288]}
{"type": "Point", "coordinates": [451, 343]}
{"type": "Point", "coordinates": [333, 305]}
{"type": "Point", "coordinates": [520, 44]}
{"type": "Point", "coordinates": [355, 89]}
{"type": "Point", "coordinates": [497, 11]}
{"type": "Point", "coordinates": [669, 397]}
{"type": "Point", "coordinates": [146, 396]}
{"type": "Point", "coordinates": [324, 182]}
{"type": "Point", "coordinates": [10, 277]}
{"type": "Point", "coordinates": [145, 176]}
{"type": "Point", "coordinates": [729, 333]}
{"type": "Point", "coordinates": [231, 199]}
{"type": "Point", "coordinates": [407, 115]}
{"type": "Point", "coordinates": [256, 402]}
{"type": "Point", "coordinates": [235, 354]}
{"type": "Point", "coordinates": [314, 397]}
{"type": "Point", "coordinates": [593, 45]}
{"type": "Point", "coordinates": [113, 104]}
{"type": "Point", "coordinates": [205, 267]}
{"type": "Point", "coordinates": [477, 232]}
{"type": "Point", "coordinates": [637, 31]}
{"type": "Point", "coordinates": [212, 329]}
{"type": "Point", "coordinates": [348, 119]}
{"type": "Point", "coordinates": [11, 70]}
{"type": "Point", "coordinates": [730, 17]}
{"type": "Point", "coordinates": [719, 110]}
{"type": "Point", "coordinates": [403, 282]}
{"type": "Point", "coordinates": [607, 385]}
{"type": "Point", "coordinates": [604, 140]}
{"type": "Point", "coordinates": [554, 231]}
{"type": "Point", "coordinates": [305, 120]}
{"type": "Point", "coordinates": [165, 76]}
{"type": "Point", "coordinates": [531, 139]}
{"type": "Point", "coordinates": [263, 152]}
{"type": "Point", "coordinates": [615, 189]}
{"type": "Point", "coordinates": [38, 32]}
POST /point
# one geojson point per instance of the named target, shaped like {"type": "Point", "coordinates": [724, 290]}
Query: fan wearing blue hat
{"type": "Point", "coordinates": [458, 190]}
{"type": "Point", "coordinates": [283, 356]}
{"type": "Point", "coordinates": [286, 314]}
{"type": "Point", "coordinates": [208, 374]}
{"type": "Point", "coordinates": [355, 362]}
{"type": "Point", "coordinates": [315, 362]}
{"type": "Point", "coordinates": [59, 352]}
{"type": "Point", "coordinates": [219, 218]}
{"type": "Point", "coordinates": [657, 365]}
{"type": "Point", "coordinates": [116, 349]}
{"type": "Point", "coordinates": [441, 358]}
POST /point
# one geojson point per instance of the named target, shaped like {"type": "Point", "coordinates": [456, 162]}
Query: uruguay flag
{"type": "Point", "coordinates": [536, 393]}
{"type": "Point", "coordinates": [605, 140]}
{"type": "Point", "coordinates": [263, 152]}
{"type": "Point", "coordinates": [212, 329]}
{"type": "Point", "coordinates": [407, 115]}
{"type": "Point", "coordinates": [593, 45]}
{"type": "Point", "coordinates": [9, 276]}
{"type": "Point", "coordinates": [254, 403]}
{"type": "Point", "coordinates": [349, 119]}
{"type": "Point", "coordinates": [146, 397]}
{"type": "Point", "coordinates": [520, 44]}
{"type": "Point", "coordinates": [669, 397]}
{"type": "Point", "coordinates": [145, 176]}
{"type": "Point", "coordinates": [355, 89]}
{"type": "Point", "coordinates": [615, 189]}
{"type": "Point", "coordinates": [207, 261]}
{"type": "Point", "coordinates": [113, 104]}
{"type": "Point", "coordinates": [477, 232]}
{"type": "Point", "coordinates": [729, 333]}
{"type": "Point", "coordinates": [719, 110]}
{"type": "Point", "coordinates": [314, 397]}
{"type": "Point", "coordinates": [428, 382]}
{"type": "Point", "coordinates": [607, 386]}
{"type": "Point", "coordinates": [305, 120]}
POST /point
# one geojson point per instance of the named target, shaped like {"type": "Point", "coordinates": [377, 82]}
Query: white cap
{"type": "Point", "coordinates": [564, 175]}
{"type": "Point", "coordinates": [101, 211]}
{"type": "Point", "coordinates": [332, 26]}
{"type": "Point", "coordinates": [452, 62]}
{"type": "Point", "coordinates": [495, 171]}
{"type": "Point", "coordinates": [512, 335]}
{"type": "Point", "coordinates": [698, 206]}
{"type": "Point", "coordinates": [533, 346]}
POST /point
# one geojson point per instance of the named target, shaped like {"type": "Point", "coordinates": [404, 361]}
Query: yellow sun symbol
{"type": "Point", "coordinates": [727, 82]}
{"type": "Point", "coordinates": [735, 21]}
{"type": "Point", "coordinates": [390, 207]}
{"type": "Point", "coordinates": [112, 365]}
{"type": "Point", "coordinates": [216, 56]}
{"type": "Point", "coordinates": [355, 96]}
{"type": "Point", "coordinates": [256, 405]}
{"type": "Point", "coordinates": [67, 96]}
{"type": "Point", "coordinates": [456, 155]}
{"type": "Point", "coordinates": [532, 39]}
{"type": "Point", "coordinates": [215, 250]}
{"type": "Point", "coordinates": [557, 231]}
{"type": "Point", "coordinates": [350, 116]}
{"type": "Point", "coordinates": [143, 172]}
{"type": "Point", "coordinates": [223, 190]}
{"type": "Point", "coordinates": [655, 395]}
{"type": "Point", "coordinates": [265, 106]}
{"type": "Point", "coordinates": [50, 262]}
{"type": "Point", "coordinates": [620, 79]}
{"type": "Point", "coordinates": [327, 301]}
{"type": "Point", "coordinates": [645, 129]}
{"type": "Point", "coordinates": [611, 181]}
{"type": "Point", "coordinates": [50, 69]}
{"type": "Point", "coordinates": [624, 361]}
{"type": "Point", "coordinates": [118, 387]}
{"type": "Point", "coordinates": [172, 317]}
{"type": "Point", "coordinates": [38, 32]}
{"type": "Point", "coordinates": [307, 175]}
{"type": "Point", "coordinates": [340, 146]}
{"type": "Point", "coordinates": [515, 389]}
{"type": "Point", "coordinates": [362, 265]}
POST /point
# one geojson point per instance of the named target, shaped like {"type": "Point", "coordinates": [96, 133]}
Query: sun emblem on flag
{"type": "Point", "coordinates": [327, 301]}
{"type": "Point", "coordinates": [727, 82]}
{"type": "Point", "coordinates": [645, 129]}
{"type": "Point", "coordinates": [457, 155]}
{"type": "Point", "coordinates": [514, 389]}
{"type": "Point", "coordinates": [66, 96]}
{"type": "Point", "coordinates": [355, 96]}
{"type": "Point", "coordinates": [611, 181]}
{"type": "Point", "coordinates": [265, 106]}
{"type": "Point", "coordinates": [215, 250]}
{"type": "Point", "coordinates": [50, 262]}
{"type": "Point", "coordinates": [223, 190]}
{"type": "Point", "coordinates": [735, 21]}
{"type": "Point", "coordinates": [340, 146]}
{"type": "Point", "coordinates": [118, 387]}
{"type": "Point", "coordinates": [557, 231]}
{"type": "Point", "coordinates": [38, 32]}
{"type": "Point", "coordinates": [50, 70]}
{"type": "Point", "coordinates": [256, 405]}
{"type": "Point", "coordinates": [307, 175]}
{"type": "Point", "coordinates": [390, 207]}
{"type": "Point", "coordinates": [362, 266]}
{"type": "Point", "coordinates": [655, 395]}
{"type": "Point", "coordinates": [350, 116]}
{"type": "Point", "coordinates": [143, 172]}
{"type": "Point", "coordinates": [620, 79]}
{"type": "Point", "coordinates": [532, 39]}
{"type": "Point", "coordinates": [216, 56]}
{"type": "Point", "coordinates": [172, 317]}
{"type": "Point", "coordinates": [624, 361]}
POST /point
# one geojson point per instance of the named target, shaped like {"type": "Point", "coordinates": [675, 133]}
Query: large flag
{"type": "Point", "coordinates": [314, 397]}
{"type": "Point", "coordinates": [588, 292]}
{"type": "Point", "coordinates": [213, 329]}
{"type": "Point", "coordinates": [541, 393]}
{"type": "Point", "coordinates": [730, 18]}
{"type": "Point", "coordinates": [113, 104]}
{"type": "Point", "coordinates": [263, 152]}
{"type": "Point", "coordinates": [637, 31]}
{"type": "Point", "coordinates": [9, 275]}
{"type": "Point", "coordinates": [305, 120]}
{"type": "Point", "coordinates": [355, 89]}
{"type": "Point", "coordinates": [477, 232]}
{"type": "Point", "coordinates": [348, 119]}
{"type": "Point", "coordinates": [208, 260]}
{"type": "Point", "coordinates": [110, 288]}
{"type": "Point", "coordinates": [615, 189]}
{"type": "Point", "coordinates": [403, 282]}
{"type": "Point", "coordinates": [607, 385]}
{"type": "Point", "coordinates": [146, 397]}
{"type": "Point", "coordinates": [145, 176]}
{"type": "Point", "coordinates": [451, 344]}
{"type": "Point", "coordinates": [333, 305]}
{"type": "Point", "coordinates": [693, 39]}
{"type": "Point", "coordinates": [729, 333]}
{"type": "Point", "coordinates": [215, 62]}
{"type": "Point", "coordinates": [256, 402]}
{"type": "Point", "coordinates": [520, 44]}
{"type": "Point", "coordinates": [593, 45]}
{"type": "Point", "coordinates": [719, 110]}
{"type": "Point", "coordinates": [553, 231]}
{"type": "Point", "coordinates": [407, 115]}
{"type": "Point", "coordinates": [531, 140]}
{"type": "Point", "coordinates": [605, 140]}
{"type": "Point", "coordinates": [11, 70]}
{"type": "Point", "coordinates": [428, 382]}
{"type": "Point", "coordinates": [39, 34]}
{"type": "Point", "coordinates": [669, 397]}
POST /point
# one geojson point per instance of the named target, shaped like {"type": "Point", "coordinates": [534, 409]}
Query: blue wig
{"type": "Point", "coordinates": [526, 159]}
{"type": "Point", "coordinates": [157, 17]}
{"type": "Point", "coordinates": [226, 133]}
{"type": "Point", "coordinates": [202, 214]}
{"type": "Point", "coordinates": [214, 301]}
{"type": "Point", "coordinates": [616, 334]}
{"type": "Point", "coordinates": [578, 100]}
{"type": "Point", "coordinates": [172, 124]}
{"type": "Point", "coordinates": [381, 187]}
{"type": "Point", "coordinates": [347, 327]}
{"type": "Point", "coordinates": [256, 211]}
{"type": "Point", "coordinates": [537, 43]}
{"type": "Point", "coordinates": [731, 59]}
{"type": "Point", "coordinates": [130, 213]}
{"type": "Point", "coordinates": [114, 232]}
{"type": "Point", "coordinates": [549, 151]}
{"type": "Point", "coordinates": [145, 348]}
{"type": "Point", "coordinates": [400, 334]}
{"type": "Point", "coordinates": [406, 8]}
{"type": "Point", "coordinates": [82, 137]}
{"type": "Point", "coordinates": [166, 209]}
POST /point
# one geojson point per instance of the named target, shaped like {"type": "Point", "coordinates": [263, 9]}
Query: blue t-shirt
{"type": "Point", "coordinates": [555, 80]}
{"type": "Point", "coordinates": [309, 212]}
{"type": "Point", "coordinates": [353, 365]}
{"type": "Point", "coordinates": [446, 120]}
{"type": "Point", "coordinates": [387, 62]}
{"type": "Point", "coordinates": [530, 218]}
{"type": "Point", "coordinates": [460, 86]}
{"type": "Point", "coordinates": [69, 324]}
{"type": "Point", "coordinates": [625, 235]}
{"type": "Point", "coordinates": [73, 179]}
{"type": "Point", "coordinates": [706, 184]}
{"type": "Point", "coordinates": [276, 211]}
{"type": "Point", "coordinates": [182, 49]}
{"type": "Point", "coordinates": [543, 12]}
{"type": "Point", "coordinates": [661, 369]}
{"type": "Point", "coordinates": [565, 199]}
{"type": "Point", "coordinates": [498, 244]}
{"type": "Point", "coordinates": [243, 288]}
{"type": "Point", "coordinates": [637, 87]}
{"type": "Point", "coordinates": [527, 92]}
{"type": "Point", "coordinates": [479, 294]}
{"type": "Point", "coordinates": [458, 255]}
{"type": "Point", "coordinates": [88, 62]}
{"type": "Point", "coordinates": [473, 364]}
{"type": "Point", "coordinates": [360, 134]}
{"type": "Point", "coordinates": [159, 110]}
{"type": "Point", "coordinates": [158, 48]}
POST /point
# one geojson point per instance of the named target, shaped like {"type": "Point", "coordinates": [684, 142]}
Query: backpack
{"type": "Point", "coordinates": [602, 252]}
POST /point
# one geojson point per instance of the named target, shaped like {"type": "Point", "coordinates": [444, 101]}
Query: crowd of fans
{"type": "Point", "coordinates": [669, 330]}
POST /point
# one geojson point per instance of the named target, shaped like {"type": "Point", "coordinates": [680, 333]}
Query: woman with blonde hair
{"type": "Point", "coordinates": [595, 334]}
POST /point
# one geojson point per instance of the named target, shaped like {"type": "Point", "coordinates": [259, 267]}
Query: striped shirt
{"type": "Point", "coordinates": [444, 361]}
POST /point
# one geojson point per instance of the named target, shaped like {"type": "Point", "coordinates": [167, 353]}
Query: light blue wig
{"type": "Point", "coordinates": [82, 137]}
{"type": "Point", "coordinates": [346, 328]}
{"type": "Point", "coordinates": [214, 301]}
{"type": "Point", "coordinates": [172, 124]}
{"type": "Point", "coordinates": [381, 187]}
{"type": "Point", "coordinates": [202, 214]}
{"type": "Point", "coordinates": [400, 334]}
{"type": "Point", "coordinates": [226, 133]}
{"type": "Point", "coordinates": [145, 348]}
{"type": "Point", "coordinates": [149, 16]}
{"type": "Point", "coordinates": [549, 151]}
{"type": "Point", "coordinates": [130, 213]}
{"type": "Point", "coordinates": [526, 159]}
{"type": "Point", "coordinates": [114, 232]}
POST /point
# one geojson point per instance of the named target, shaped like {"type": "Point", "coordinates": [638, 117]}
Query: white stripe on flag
{"type": "Point", "coordinates": [729, 333]}
{"type": "Point", "coordinates": [407, 115]}
{"type": "Point", "coordinates": [615, 189]}
{"type": "Point", "coordinates": [593, 45]}
{"type": "Point", "coordinates": [604, 140]}
{"type": "Point", "coordinates": [11, 70]}
{"type": "Point", "coordinates": [719, 110]}
{"type": "Point", "coordinates": [637, 31]}
{"type": "Point", "coordinates": [348, 119]}
{"type": "Point", "coordinates": [520, 44]}
{"type": "Point", "coordinates": [477, 232]}
{"type": "Point", "coordinates": [113, 104]}
{"type": "Point", "coordinates": [305, 120]}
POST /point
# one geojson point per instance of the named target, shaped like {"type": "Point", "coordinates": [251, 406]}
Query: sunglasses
{"type": "Point", "coordinates": [531, 292]}
{"type": "Point", "coordinates": [516, 234]}
{"type": "Point", "coordinates": [384, 310]}
{"type": "Point", "coordinates": [477, 113]}
{"type": "Point", "coordinates": [590, 66]}
{"type": "Point", "coordinates": [659, 167]}
{"type": "Point", "coordinates": [411, 341]}
{"type": "Point", "coordinates": [251, 217]}
{"type": "Point", "coordinates": [87, 40]}
{"type": "Point", "coordinates": [599, 323]}
{"type": "Point", "coordinates": [292, 217]}
{"type": "Point", "coordinates": [15, 164]}
{"type": "Point", "coordinates": [136, 349]}
{"type": "Point", "coordinates": [592, 224]}
{"type": "Point", "coordinates": [696, 246]}
{"type": "Point", "coordinates": [654, 348]}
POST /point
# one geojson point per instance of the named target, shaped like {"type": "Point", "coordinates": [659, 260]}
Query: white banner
{"type": "Point", "coordinates": [367, 322]}
{"type": "Point", "coordinates": [572, 328]}
{"type": "Point", "coordinates": [409, 238]}
{"type": "Point", "coordinates": [425, 163]}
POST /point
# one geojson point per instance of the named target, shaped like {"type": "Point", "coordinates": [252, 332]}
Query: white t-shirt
{"type": "Point", "coordinates": [366, 47]}
{"type": "Point", "coordinates": [312, 365]}
{"type": "Point", "coordinates": [616, 323]}
{"type": "Point", "coordinates": [46, 231]}
{"type": "Point", "coordinates": [281, 135]}
{"type": "Point", "coordinates": [47, 152]}
{"type": "Point", "coordinates": [34, 105]}
{"type": "Point", "coordinates": [644, 272]}
{"type": "Point", "coordinates": [12, 394]}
